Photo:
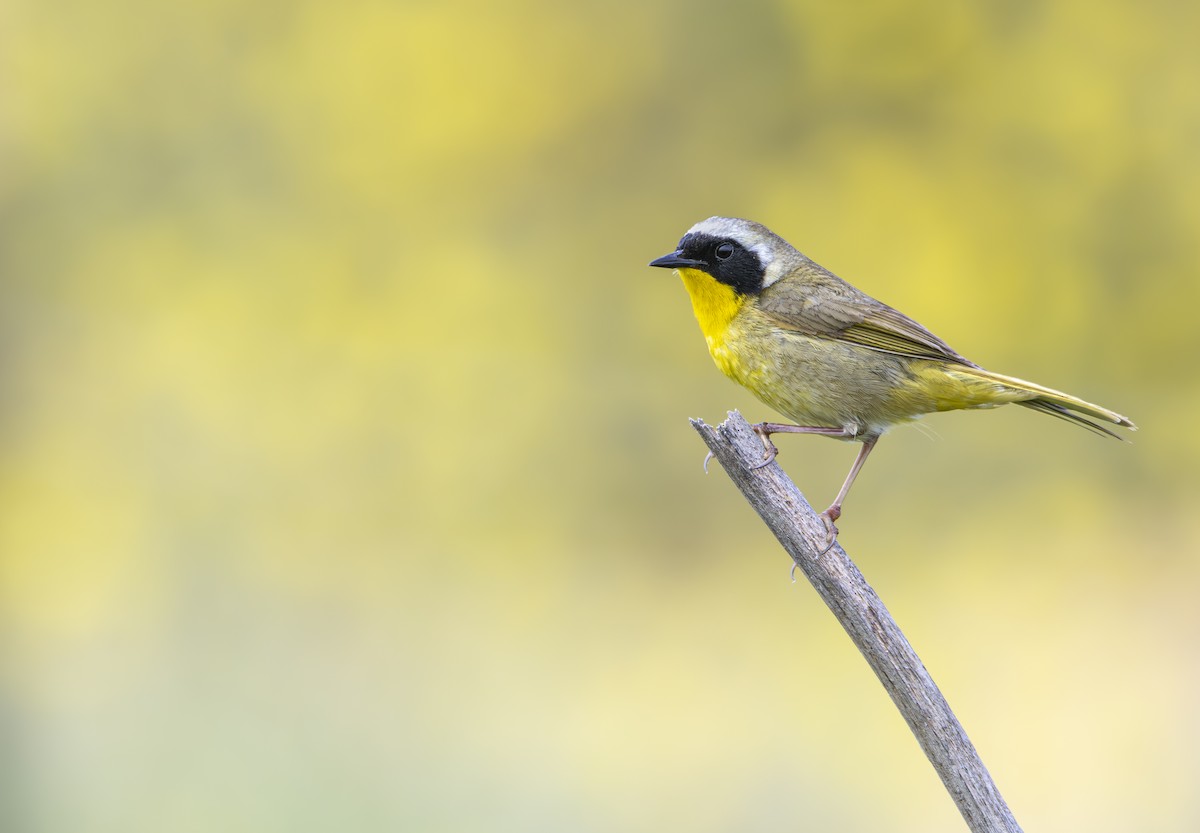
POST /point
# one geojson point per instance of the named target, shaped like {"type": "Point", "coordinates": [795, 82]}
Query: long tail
{"type": "Point", "coordinates": [1057, 404]}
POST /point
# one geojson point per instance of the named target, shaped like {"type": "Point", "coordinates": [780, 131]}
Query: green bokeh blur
{"type": "Point", "coordinates": [346, 479]}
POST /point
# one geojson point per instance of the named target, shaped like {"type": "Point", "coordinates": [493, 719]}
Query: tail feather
{"type": "Point", "coordinates": [1047, 407]}
{"type": "Point", "coordinates": [1058, 404]}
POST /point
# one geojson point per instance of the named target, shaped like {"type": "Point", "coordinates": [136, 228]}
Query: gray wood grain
{"type": "Point", "coordinates": [856, 605]}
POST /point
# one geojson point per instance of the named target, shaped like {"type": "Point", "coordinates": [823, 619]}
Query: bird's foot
{"type": "Point", "coordinates": [831, 531]}
{"type": "Point", "coordinates": [764, 433]}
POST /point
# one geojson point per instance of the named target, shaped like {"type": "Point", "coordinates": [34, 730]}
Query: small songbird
{"type": "Point", "coordinates": [829, 356]}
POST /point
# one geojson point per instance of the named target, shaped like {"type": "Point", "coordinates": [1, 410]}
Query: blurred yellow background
{"type": "Point", "coordinates": [346, 479]}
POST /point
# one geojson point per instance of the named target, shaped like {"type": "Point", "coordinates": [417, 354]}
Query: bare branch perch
{"type": "Point", "coordinates": [843, 588]}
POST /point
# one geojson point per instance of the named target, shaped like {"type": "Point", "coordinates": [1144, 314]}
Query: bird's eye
{"type": "Point", "coordinates": [724, 251]}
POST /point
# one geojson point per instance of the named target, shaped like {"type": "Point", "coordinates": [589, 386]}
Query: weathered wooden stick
{"type": "Point", "coordinates": [843, 588]}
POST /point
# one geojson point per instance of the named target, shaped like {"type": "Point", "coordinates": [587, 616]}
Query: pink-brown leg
{"type": "Point", "coordinates": [834, 511]}
{"type": "Point", "coordinates": [766, 429]}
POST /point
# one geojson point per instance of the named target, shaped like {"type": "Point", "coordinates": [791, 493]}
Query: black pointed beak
{"type": "Point", "coordinates": [675, 261]}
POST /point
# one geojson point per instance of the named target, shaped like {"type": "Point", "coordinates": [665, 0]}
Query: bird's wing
{"type": "Point", "coordinates": [825, 306]}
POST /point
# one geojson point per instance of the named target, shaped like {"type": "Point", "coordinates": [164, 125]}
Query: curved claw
{"type": "Point", "coordinates": [772, 453]}
{"type": "Point", "coordinates": [707, 457]}
{"type": "Point", "coordinates": [771, 449]}
{"type": "Point", "coordinates": [831, 530]}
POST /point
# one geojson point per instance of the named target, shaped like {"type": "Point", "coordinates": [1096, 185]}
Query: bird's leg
{"type": "Point", "coordinates": [830, 515]}
{"type": "Point", "coordinates": [766, 429]}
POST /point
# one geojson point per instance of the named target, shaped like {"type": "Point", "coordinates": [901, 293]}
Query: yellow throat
{"type": "Point", "coordinates": [715, 304]}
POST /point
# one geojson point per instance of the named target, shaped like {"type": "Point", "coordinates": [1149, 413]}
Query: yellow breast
{"type": "Point", "coordinates": [715, 304]}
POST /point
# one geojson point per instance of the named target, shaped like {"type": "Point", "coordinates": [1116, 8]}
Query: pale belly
{"type": "Point", "coordinates": [819, 382]}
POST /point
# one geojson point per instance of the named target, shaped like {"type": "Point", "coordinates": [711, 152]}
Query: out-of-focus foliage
{"type": "Point", "coordinates": [346, 482]}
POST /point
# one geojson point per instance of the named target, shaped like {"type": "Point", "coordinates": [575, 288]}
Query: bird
{"type": "Point", "coordinates": [831, 358]}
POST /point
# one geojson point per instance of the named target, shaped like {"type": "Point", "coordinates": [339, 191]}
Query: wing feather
{"type": "Point", "coordinates": [822, 305]}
